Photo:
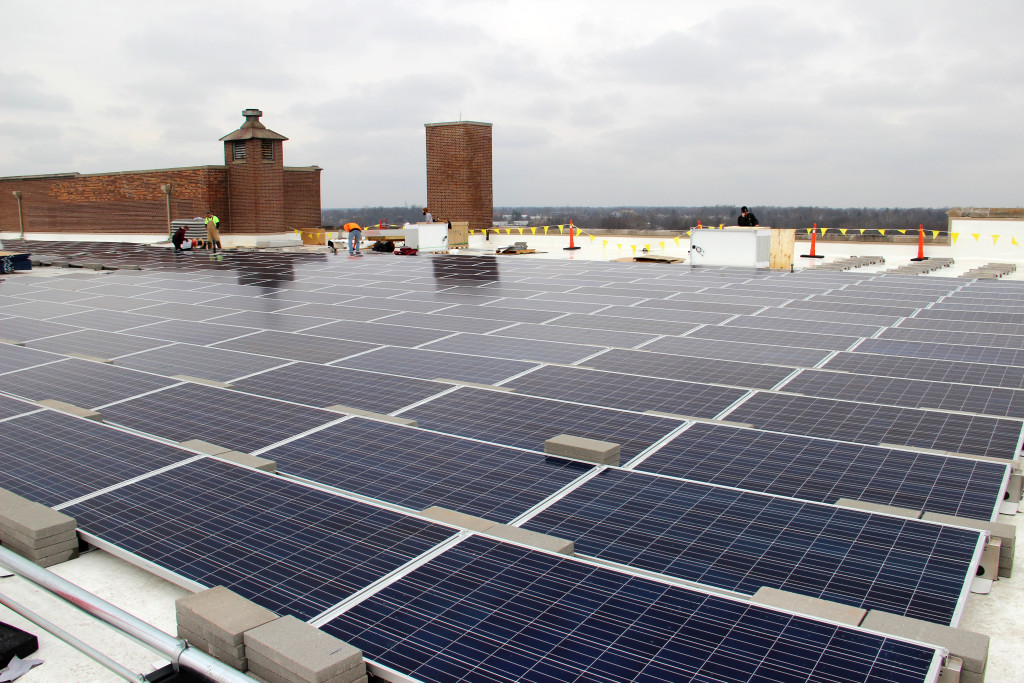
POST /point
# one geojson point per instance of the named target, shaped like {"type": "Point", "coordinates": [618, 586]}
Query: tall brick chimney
{"type": "Point", "coordinates": [459, 183]}
{"type": "Point", "coordinates": [255, 160]}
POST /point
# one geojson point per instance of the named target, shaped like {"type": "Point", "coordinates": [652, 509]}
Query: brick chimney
{"type": "Point", "coordinates": [459, 184]}
{"type": "Point", "coordinates": [255, 161]}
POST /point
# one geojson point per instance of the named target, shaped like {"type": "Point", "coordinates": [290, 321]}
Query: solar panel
{"type": "Point", "coordinates": [745, 353]}
{"type": "Point", "coordinates": [741, 541]}
{"type": "Point", "coordinates": [682, 303]}
{"type": "Point", "coordinates": [290, 548]}
{"type": "Point", "coordinates": [849, 307]}
{"type": "Point", "coordinates": [557, 333]}
{"type": "Point", "coordinates": [972, 315]}
{"type": "Point", "coordinates": [321, 387]}
{"type": "Point", "coordinates": [10, 407]}
{"type": "Point", "coordinates": [873, 424]}
{"type": "Point", "coordinates": [59, 458]}
{"type": "Point", "coordinates": [96, 343]}
{"type": "Point", "coordinates": [1006, 341]}
{"type": "Point", "coordinates": [946, 352]}
{"type": "Point", "coordinates": [110, 321]}
{"type": "Point", "coordinates": [526, 421]}
{"type": "Point", "coordinates": [796, 325]}
{"type": "Point", "coordinates": [13, 357]}
{"type": "Point", "coordinates": [449, 323]}
{"type": "Point", "coordinates": [436, 364]}
{"type": "Point", "coordinates": [280, 322]}
{"type": "Point", "coordinates": [419, 469]}
{"type": "Point", "coordinates": [191, 332]}
{"type": "Point", "coordinates": [220, 365]}
{"type": "Point", "coordinates": [81, 383]}
{"type": "Point", "coordinates": [486, 610]}
{"type": "Point", "coordinates": [511, 313]}
{"type": "Point", "coordinates": [41, 310]}
{"type": "Point", "coordinates": [626, 392]}
{"type": "Point", "coordinates": [705, 317]}
{"type": "Point", "coordinates": [910, 393]}
{"type": "Point", "coordinates": [227, 418]}
{"type": "Point", "coordinates": [296, 346]}
{"type": "Point", "coordinates": [337, 311]}
{"type": "Point", "coordinates": [927, 368]}
{"type": "Point", "coordinates": [623, 324]}
{"type": "Point", "coordinates": [514, 349]}
{"type": "Point", "coordinates": [23, 330]}
{"type": "Point", "coordinates": [832, 316]}
{"type": "Point", "coordinates": [378, 333]}
{"type": "Point", "coordinates": [825, 471]}
{"type": "Point", "coordinates": [809, 340]}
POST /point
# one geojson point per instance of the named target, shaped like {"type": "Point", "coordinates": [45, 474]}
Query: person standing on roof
{"type": "Point", "coordinates": [427, 218]}
{"type": "Point", "coordinates": [746, 219]}
{"type": "Point", "coordinates": [355, 235]}
{"type": "Point", "coordinates": [213, 230]}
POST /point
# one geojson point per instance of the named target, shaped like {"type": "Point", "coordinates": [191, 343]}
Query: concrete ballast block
{"type": "Point", "coordinates": [34, 521]}
{"type": "Point", "coordinates": [533, 538]}
{"type": "Point", "coordinates": [878, 507]}
{"type": "Point", "coordinates": [582, 448]}
{"type": "Point", "coordinates": [971, 647]}
{"type": "Point", "coordinates": [814, 607]}
{"type": "Point", "coordinates": [71, 409]}
{"type": "Point", "coordinates": [302, 649]}
{"type": "Point", "coordinates": [254, 461]}
{"type": "Point", "coordinates": [271, 671]}
{"type": "Point", "coordinates": [459, 519]}
{"type": "Point", "coordinates": [204, 447]}
{"type": "Point", "coordinates": [376, 416]}
{"type": "Point", "coordinates": [222, 613]}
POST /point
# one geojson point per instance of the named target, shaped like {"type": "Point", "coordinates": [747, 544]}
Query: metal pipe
{"type": "Point", "coordinates": [71, 640]}
{"type": "Point", "coordinates": [21, 220]}
{"type": "Point", "coordinates": [175, 649]}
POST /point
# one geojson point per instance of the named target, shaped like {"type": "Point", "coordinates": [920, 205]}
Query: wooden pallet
{"type": "Point", "coordinates": [513, 252]}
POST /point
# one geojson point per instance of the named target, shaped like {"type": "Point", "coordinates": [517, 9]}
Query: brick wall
{"type": "Point", "coordinates": [129, 202]}
{"type": "Point", "coordinates": [256, 186]}
{"type": "Point", "coordinates": [459, 184]}
{"type": "Point", "coordinates": [302, 198]}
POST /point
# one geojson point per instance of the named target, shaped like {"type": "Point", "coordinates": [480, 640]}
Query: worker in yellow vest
{"type": "Point", "coordinates": [212, 230]}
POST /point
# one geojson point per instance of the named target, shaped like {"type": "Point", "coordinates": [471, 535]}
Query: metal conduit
{"type": "Point", "coordinates": [174, 649]}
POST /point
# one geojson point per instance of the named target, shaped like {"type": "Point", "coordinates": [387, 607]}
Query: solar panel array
{"type": "Point", "coordinates": [649, 358]}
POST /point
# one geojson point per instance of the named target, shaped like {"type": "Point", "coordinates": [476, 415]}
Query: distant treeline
{"type": "Point", "coordinates": [675, 218]}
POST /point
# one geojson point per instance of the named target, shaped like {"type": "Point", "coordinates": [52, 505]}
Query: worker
{"type": "Point", "coordinates": [747, 219]}
{"type": "Point", "coordinates": [213, 230]}
{"type": "Point", "coordinates": [178, 238]}
{"type": "Point", "coordinates": [427, 218]}
{"type": "Point", "coordinates": [355, 236]}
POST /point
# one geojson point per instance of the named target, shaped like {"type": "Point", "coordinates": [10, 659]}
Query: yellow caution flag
{"type": "Point", "coordinates": [676, 239]}
{"type": "Point", "coordinates": [975, 235]}
{"type": "Point", "coordinates": [809, 230]}
{"type": "Point", "coordinates": [881, 232]}
{"type": "Point", "coordinates": [862, 230]}
{"type": "Point", "coordinates": [647, 247]}
{"type": "Point", "coordinates": [842, 231]}
{"type": "Point", "coordinates": [561, 229]}
{"type": "Point", "coordinates": [902, 232]}
{"type": "Point", "coordinates": [995, 238]}
{"type": "Point", "coordinates": [546, 229]}
{"type": "Point", "coordinates": [935, 234]}
{"type": "Point", "coordinates": [619, 246]}
{"type": "Point", "coordinates": [592, 238]}
{"type": "Point", "coordinates": [604, 244]}
{"type": "Point", "coordinates": [520, 230]}
{"type": "Point", "coordinates": [662, 245]}
{"type": "Point", "coordinates": [1013, 241]}
{"type": "Point", "coordinates": [954, 235]}
{"type": "Point", "coordinates": [533, 231]}
{"type": "Point", "coordinates": [633, 247]}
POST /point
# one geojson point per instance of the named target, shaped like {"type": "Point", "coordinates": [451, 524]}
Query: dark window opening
{"type": "Point", "coordinates": [268, 150]}
{"type": "Point", "coordinates": [238, 150]}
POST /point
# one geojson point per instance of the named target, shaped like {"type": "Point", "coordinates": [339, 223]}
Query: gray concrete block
{"type": "Point", "coordinates": [203, 380]}
{"type": "Point", "coordinates": [878, 507]}
{"type": "Point", "coordinates": [39, 550]}
{"type": "Point", "coordinates": [34, 521]}
{"type": "Point", "coordinates": [533, 539]}
{"type": "Point", "coordinates": [222, 613]}
{"type": "Point", "coordinates": [204, 447]}
{"type": "Point", "coordinates": [582, 448]}
{"type": "Point", "coordinates": [458, 519]}
{"type": "Point", "coordinates": [272, 671]}
{"type": "Point", "coordinates": [814, 607]}
{"type": "Point", "coordinates": [462, 382]}
{"type": "Point", "coordinates": [254, 461]}
{"type": "Point", "coordinates": [7, 534]}
{"type": "Point", "coordinates": [971, 647]}
{"type": "Point", "coordinates": [951, 670]}
{"type": "Point", "coordinates": [376, 416]}
{"type": "Point", "coordinates": [1015, 487]}
{"type": "Point", "coordinates": [302, 649]}
{"type": "Point", "coordinates": [71, 409]}
{"type": "Point", "coordinates": [194, 639]}
{"type": "Point", "coordinates": [50, 560]}
{"type": "Point", "coordinates": [12, 342]}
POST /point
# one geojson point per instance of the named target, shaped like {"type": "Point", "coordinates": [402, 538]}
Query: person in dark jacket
{"type": "Point", "coordinates": [746, 219]}
{"type": "Point", "coordinates": [178, 238]}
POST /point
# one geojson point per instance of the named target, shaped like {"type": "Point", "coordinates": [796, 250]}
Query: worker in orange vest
{"type": "Point", "coordinates": [355, 236]}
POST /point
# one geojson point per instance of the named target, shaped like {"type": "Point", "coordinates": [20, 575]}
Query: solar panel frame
{"type": "Point", "coordinates": [741, 541]}
{"type": "Point", "coordinates": [424, 364]}
{"type": "Point", "coordinates": [543, 618]}
{"type": "Point", "coordinates": [81, 383]}
{"type": "Point", "coordinates": [909, 367]}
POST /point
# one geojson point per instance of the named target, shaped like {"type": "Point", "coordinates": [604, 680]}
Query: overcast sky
{"type": "Point", "coordinates": [594, 102]}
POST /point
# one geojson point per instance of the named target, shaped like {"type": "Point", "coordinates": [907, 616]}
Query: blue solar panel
{"type": "Point", "coordinates": [288, 547]}
{"type": "Point", "coordinates": [947, 352]}
{"type": "Point", "coordinates": [81, 383]}
{"type": "Point", "coordinates": [418, 469]}
{"type": "Point", "coordinates": [53, 458]}
{"type": "Point", "coordinates": [527, 422]}
{"type": "Point", "coordinates": [873, 424]}
{"type": "Point", "coordinates": [226, 418]}
{"type": "Point", "coordinates": [490, 611]}
{"type": "Point", "coordinates": [825, 471]}
{"type": "Point", "coordinates": [627, 392]}
{"type": "Point", "coordinates": [741, 541]}
{"type": "Point", "coordinates": [10, 407]}
{"type": "Point", "coordinates": [927, 368]}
